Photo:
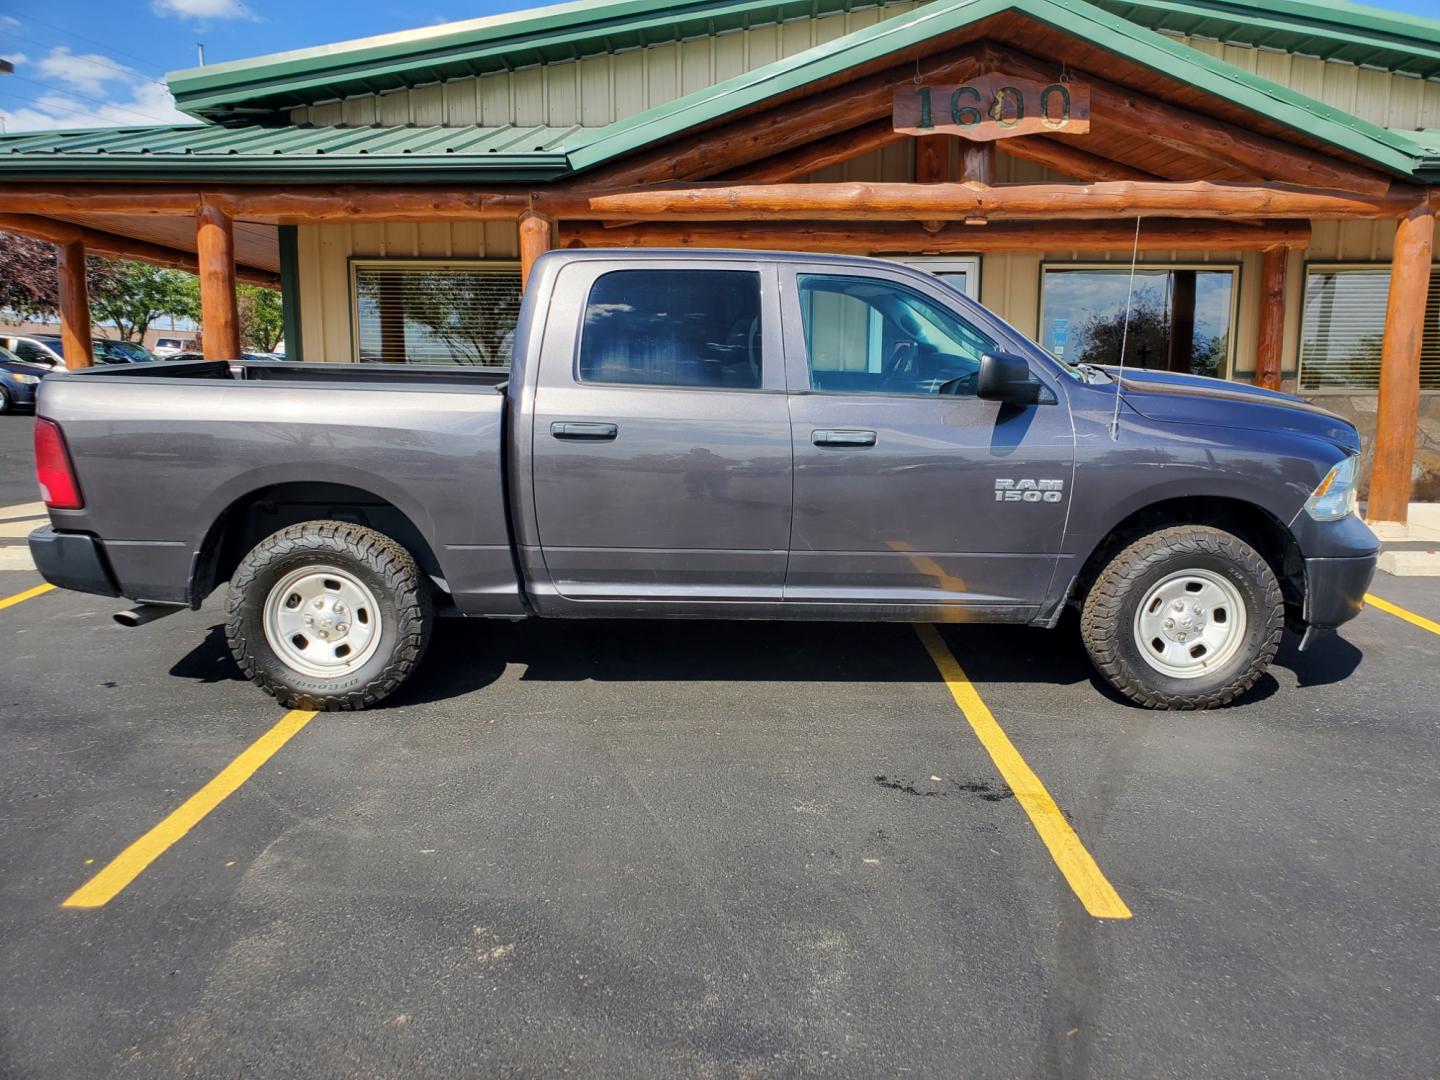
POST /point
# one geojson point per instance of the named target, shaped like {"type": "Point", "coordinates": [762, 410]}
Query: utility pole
{"type": "Point", "coordinates": [6, 68]}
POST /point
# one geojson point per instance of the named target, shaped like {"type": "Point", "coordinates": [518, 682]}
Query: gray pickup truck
{"type": "Point", "coordinates": [710, 435]}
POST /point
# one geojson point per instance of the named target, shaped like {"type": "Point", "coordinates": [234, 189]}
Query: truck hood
{"type": "Point", "coordinates": [1172, 398]}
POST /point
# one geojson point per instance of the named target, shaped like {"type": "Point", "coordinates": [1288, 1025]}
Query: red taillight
{"type": "Point", "coordinates": [58, 486]}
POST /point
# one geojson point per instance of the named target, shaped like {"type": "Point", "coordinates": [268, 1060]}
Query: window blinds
{"type": "Point", "coordinates": [427, 313]}
{"type": "Point", "coordinates": [1344, 329]}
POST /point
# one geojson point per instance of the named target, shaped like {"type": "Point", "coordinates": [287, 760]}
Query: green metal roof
{"type": "Point", "coordinates": [1335, 30]}
{"type": "Point", "coordinates": [303, 153]}
{"type": "Point", "coordinates": [244, 89]}
{"type": "Point", "coordinates": [1080, 19]}
{"type": "Point", "coordinates": [265, 84]}
{"type": "Point", "coordinates": [418, 154]}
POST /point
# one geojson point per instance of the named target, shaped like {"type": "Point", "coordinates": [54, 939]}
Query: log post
{"type": "Point", "coordinates": [1399, 406]}
{"type": "Point", "coordinates": [977, 162]}
{"type": "Point", "coordinates": [76, 335]}
{"type": "Point", "coordinates": [1270, 340]}
{"type": "Point", "coordinates": [220, 313]}
{"type": "Point", "coordinates": [535, 231]}
{"type": "Point", "coordinates": [932, 159]}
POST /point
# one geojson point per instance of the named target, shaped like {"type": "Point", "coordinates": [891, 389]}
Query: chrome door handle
{"type": "Point", "coordinates": [830, 437]}
{"type": "Point", "coordinates": [583, 432]}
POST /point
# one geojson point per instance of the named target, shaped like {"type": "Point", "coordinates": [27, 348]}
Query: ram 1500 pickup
{"type": "Point", "coordinates": [710, 435]}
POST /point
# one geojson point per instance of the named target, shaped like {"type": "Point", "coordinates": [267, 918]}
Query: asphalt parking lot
{"type": "Point", "coordinates": [722, 849]}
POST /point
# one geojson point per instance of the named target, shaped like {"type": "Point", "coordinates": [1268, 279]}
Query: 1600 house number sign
{"type": "Point", "coordinates": [992, 107]}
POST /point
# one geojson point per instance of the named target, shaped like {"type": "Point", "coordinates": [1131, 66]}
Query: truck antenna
{"type": "Point", "coordinates": [1125, 333]}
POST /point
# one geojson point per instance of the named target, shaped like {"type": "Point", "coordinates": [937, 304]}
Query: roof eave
{"type": "Point", "coordinates": [497, 168]}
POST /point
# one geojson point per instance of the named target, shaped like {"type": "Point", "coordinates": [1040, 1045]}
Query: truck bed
{"type": "Point", "coordinates": [174, 447]}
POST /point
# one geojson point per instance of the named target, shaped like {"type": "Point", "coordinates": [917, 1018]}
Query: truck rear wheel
{"type": "Point", "coordinates": [1188, 617]}
{"type": "Point", "coordinates": [328, 615]}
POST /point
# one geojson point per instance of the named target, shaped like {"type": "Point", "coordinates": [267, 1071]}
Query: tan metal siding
{"type": "Point", "coordinates": [597, 90]}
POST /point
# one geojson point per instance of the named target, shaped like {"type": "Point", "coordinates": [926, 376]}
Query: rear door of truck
{"type": "Point", "coordinates": [660, 453]}
{"type": "Point", "coordinates": [910, 490]}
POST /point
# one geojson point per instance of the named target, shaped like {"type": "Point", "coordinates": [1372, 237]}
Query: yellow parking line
{"type": "Point", "coordinates": [1089, 884]}
{"type": "Point", "coordinates": [127, 866]}
{"type": "Point", "coordinates": [28, 594]}
{"type": "Point", "coordinates": [1400, 613]}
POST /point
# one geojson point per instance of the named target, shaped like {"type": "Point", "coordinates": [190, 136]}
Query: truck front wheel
{"type": "Point", "coordinates": [328, 615]}
{"type": "Point", "coordinates": [1188, 617]}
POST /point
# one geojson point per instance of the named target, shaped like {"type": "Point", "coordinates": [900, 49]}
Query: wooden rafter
{"type": "Point", "coordinates": [98, 242]}
{"type": "Point", "coordinates": [821, 154]}
{"type": "Point", "coordinates": [777, 130]}
{"type": "Point", "coordinates": [1070, 160]}
{"type": "Point", "coordinates": [1201, 136]}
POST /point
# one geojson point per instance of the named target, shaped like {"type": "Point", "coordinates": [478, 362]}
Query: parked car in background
{"type": "Point", "coordinates": [44, 351]}
{"type": "Point", "coordinates": [49, 352]}
{"type": "Point", "coordinates": [166, 347]}
{"type": "Point", "coordinates": [109, 351]}
{"type": "Point", "coordinates": [18, 382]}
{"type": "Point", "coordinates": [256, 357]}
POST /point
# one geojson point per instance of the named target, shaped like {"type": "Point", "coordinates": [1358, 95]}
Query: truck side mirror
{"type": "Point", "coordinates": [1006, 377]}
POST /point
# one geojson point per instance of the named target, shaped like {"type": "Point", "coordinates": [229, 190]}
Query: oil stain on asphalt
{"type": "Point", "coordinates": [981, 788]}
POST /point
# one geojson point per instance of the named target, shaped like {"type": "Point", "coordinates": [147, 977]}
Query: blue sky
{"type": "Point", "coordinates": [83, 63]}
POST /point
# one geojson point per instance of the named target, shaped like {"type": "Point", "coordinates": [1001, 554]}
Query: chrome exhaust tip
{"type": "Point", "coordinates": [145, 613]}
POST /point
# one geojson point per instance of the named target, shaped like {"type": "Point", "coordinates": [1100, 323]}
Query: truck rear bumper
{"type": "Point", "coordinates": [72, 561]}
{"type": "Point", "coordinates": [1335, 589]}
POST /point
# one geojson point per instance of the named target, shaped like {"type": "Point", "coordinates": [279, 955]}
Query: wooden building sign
{"type": "Point", "coordinates": [992, 107]}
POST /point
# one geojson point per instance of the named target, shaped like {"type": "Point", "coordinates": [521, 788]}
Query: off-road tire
{"type": "Point", "coordinates": [400, 589]}
{"type": "Point", "coordinates": [6, 405]}
{"type": "Point", "coordinates": [1108, 614]}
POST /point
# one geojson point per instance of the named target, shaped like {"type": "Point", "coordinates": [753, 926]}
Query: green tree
{"type": "Point", "coordinates": [29, 280]}
{"type": "Point", "coordinates": [262, 317]}
{"type": "Point", "coordinates": [134, 295]}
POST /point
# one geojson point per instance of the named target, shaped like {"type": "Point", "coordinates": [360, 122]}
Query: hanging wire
{"type": "Point", "coordinates": [1125, 332]}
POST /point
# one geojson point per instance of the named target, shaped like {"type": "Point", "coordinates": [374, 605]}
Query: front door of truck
{"type": "Point", "coordinates": [911, 492]}
{"type": "Point", "coordinates": [661, 437]}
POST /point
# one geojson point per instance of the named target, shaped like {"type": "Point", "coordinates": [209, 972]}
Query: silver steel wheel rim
{"type": "Point", "coordinates": [1190, 624]}
{"type": "Point", "coordinates": [322, 622]}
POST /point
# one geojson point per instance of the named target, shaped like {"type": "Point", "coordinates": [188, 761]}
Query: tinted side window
{"type": "Point", "coordinates": [29, 351]}
{"type": "Point", "coordinates": [866, 335]}
{"type": "Point", "coordinates": [698, 328]}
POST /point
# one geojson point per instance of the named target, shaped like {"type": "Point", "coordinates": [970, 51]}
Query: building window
{"type": "Point", "coordinates": [961, 273]}
{"type": "Point", "coordinates": [1344, 328]}
{"type": "Point", "coordinates": [695, 328]}
{"type": "Point", "coordinates": [1182, 318]}
{"type": "Point", "coordinates": [417, 312]}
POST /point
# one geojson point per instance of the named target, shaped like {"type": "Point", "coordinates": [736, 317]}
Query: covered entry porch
{"type": "Point", "coordinates": [1175, 160]}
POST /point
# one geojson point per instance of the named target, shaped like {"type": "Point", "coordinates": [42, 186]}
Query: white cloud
{"type": "Point", "coordinates": [203, 9]}
{"type": "Point", "coordinates": [122, 98]}
{"type": "Point", "coordinates": [87, 72]}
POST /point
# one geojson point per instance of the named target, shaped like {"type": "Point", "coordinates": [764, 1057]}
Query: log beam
{"type": "Point", "coordinates": [1270, 338]}
{"type": "Point", "coordinates": [215, 244]}
{"type": "Point", "coordinates": [76, 334]}
{"type": "Point", "coordinates": [1202, 136]}
{"type": "Point", "coordinates": [724, 201]}
{"type": "Point", "coordinates": [1399, 405]}
{"type": "Point", "coordinates": [912, 239]}
{"type": "Point", "coordinates": [536, 232]}
{"type": "Point", "coordinates": [286, 205]}
{"type": "Point", "coordinates": [98, 242]}
{"type": "Point", "coordinates": [940, 202]}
